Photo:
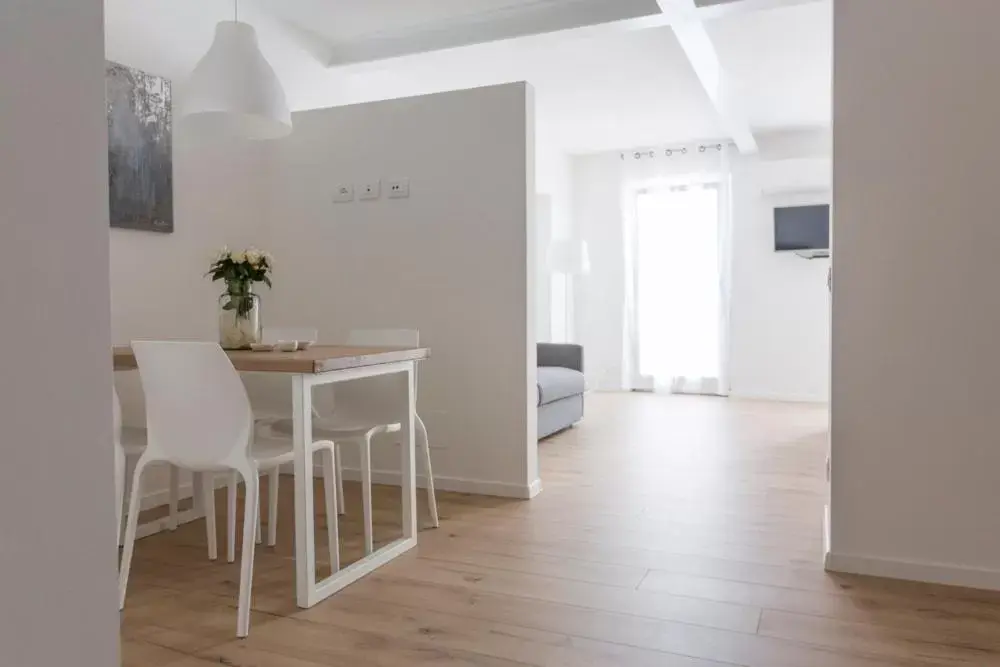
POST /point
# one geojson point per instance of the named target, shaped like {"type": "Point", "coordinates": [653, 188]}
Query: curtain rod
{"type": "Point", "coordinates": [683, 150]}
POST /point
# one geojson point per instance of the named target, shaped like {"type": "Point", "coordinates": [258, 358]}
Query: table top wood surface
{"type": "Point", "coordinates": [317, 359]}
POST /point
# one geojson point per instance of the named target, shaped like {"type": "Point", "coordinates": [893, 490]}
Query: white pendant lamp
{"type": "Point", "coordinates": [233, 91]}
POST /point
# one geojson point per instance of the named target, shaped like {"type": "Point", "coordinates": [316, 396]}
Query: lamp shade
{"type": "Point", "coordinates": [569, 257]}
{"type": "Point", "coordinates": [233, 91]}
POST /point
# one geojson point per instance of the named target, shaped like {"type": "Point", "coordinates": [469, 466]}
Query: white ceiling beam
{"type": "Point", "coordinates": [689, 26]}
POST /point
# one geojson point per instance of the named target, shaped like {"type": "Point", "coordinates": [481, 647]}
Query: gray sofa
{"type": "Point", "coordinates": [560, 387]}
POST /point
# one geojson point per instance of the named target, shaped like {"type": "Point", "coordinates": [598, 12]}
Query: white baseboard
{"type": "Point", "coordinates": [457, 484]}
{"type": "Point", "coordinates": [933, 573]}
{"type": "Point", "coordinates": [826, 537]}
{"type": "Point", "coordinates": [161, 497]}
{"type": "Point", "coordinates": [778, 397]}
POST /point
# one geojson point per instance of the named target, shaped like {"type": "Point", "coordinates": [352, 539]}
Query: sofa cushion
{"type": "Point", "coordinates": [555, 383]}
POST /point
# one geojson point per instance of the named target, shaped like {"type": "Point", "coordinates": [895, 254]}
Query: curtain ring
{"type": "Point", "coordinates": [701, 149]}
{"type": "Point", "coordinates": [684, 151]}
{"type": "Point", "coordinates": [637, 155]}
{"type": "Point", "coordinates": [670, 152]}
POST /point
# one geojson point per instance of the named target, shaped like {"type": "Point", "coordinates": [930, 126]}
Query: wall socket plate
{"type": "Point", "coordinates": [398, 188]}
{"type": "Point", "coordinates": [343, 193]}
{"type": "Point", "coordinates": [370, 190]}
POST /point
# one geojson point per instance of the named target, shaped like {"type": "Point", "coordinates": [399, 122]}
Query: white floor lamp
{"type": "Point", "coordinates": [568, 258]}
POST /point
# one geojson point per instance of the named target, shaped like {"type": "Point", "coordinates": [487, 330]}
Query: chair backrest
{"type": "Point", "coordinates": [372, 397]}
{"type": "Point", "coordinates": [197, 411]}
{"type": "Point", "coordinates": [272, 335]}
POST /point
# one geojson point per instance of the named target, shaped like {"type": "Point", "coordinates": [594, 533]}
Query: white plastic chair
{"type": "Point", "coordinates": [272, 465]}
{"type": "Point", "coordinates": [361, 412]}
{"type": "Point", "coordinates": [129, 444]}
{"type": "Point", "coordinates": [198, 417]}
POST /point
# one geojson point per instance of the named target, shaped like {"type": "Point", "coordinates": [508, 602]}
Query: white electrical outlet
{"type": "Point", "coordinates": [370, 190]}
{"type": "Point", "coordinates": [398, 188]}
{"type": "Point", "coordinates": [343, 194]}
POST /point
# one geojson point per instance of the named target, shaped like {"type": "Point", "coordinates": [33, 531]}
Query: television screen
{"type": "Point", "coordinates": [802, 228]}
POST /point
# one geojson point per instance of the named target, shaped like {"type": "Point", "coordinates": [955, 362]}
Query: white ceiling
{"type": "Point", "coordinates": [592, 93]}
{"type": "Point", "coordinates": [782, 63]}
{"type": "Point", "coordinates": [596, 89]}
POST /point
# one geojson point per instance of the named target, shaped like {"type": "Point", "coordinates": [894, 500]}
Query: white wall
{"type": "Point", "coordinates": [554, 179]}
{"type": "Point", "coordinates": [158, 283]}
{"type": "Point", "coordinates": [598, 297]}
{"type": "Point", "coordinates": [914, 401]}
{"type": "Point", "coordinates": [455, 260]}
{"type": "Point", "coordinates": [57, 552]}
{"type": "Point", "coordinates": [780, 323]}
{"type": "Point", "coordinates": [780, 311]}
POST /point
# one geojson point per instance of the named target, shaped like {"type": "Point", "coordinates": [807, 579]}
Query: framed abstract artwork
{"type": "Point", "coordinates": [140, 150]}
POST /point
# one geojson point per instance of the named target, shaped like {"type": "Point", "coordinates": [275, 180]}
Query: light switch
{"type": "Point", "coordinates": [370, 190]}
{"type": "Point", "coordinates": [398, 188]}
{"type": "Point", "coordinates": [343, 194]}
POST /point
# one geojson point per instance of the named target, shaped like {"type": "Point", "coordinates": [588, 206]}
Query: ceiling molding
{"type": "Point", "coordinates": [688, 24]}
{"type": "Point", "coordinates": [579, 18]}
{"type": "Point", "coordinates": [708, 10]}
{"type": "Point", "coordinates": [309, 41]}
{"type": "Point", "coordinates": [541, 16]}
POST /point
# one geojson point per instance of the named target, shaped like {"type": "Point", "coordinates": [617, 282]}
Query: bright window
{"type": "Point", "coordinates": [678, 283]}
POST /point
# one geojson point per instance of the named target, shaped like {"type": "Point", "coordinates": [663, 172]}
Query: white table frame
{"type": "Point", "coordinates": [309, 591]}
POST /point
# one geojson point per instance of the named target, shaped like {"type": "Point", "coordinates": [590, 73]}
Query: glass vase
{"type": "Point", "coordinates": [239, 319]}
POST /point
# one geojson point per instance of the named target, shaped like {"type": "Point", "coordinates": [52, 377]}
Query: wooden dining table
{"type": "Point", "coordinates": [320, 365]}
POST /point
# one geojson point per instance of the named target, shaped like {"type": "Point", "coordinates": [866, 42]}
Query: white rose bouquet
{"type": "Point", "coordinates": [240, 270]}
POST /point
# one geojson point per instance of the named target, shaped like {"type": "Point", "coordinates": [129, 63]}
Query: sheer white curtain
{"type": "Point", "coordinates": [678, 236]}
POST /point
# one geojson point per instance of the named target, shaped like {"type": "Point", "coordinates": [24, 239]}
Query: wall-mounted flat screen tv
{"type": "Point", "coordinates": [802, 227]}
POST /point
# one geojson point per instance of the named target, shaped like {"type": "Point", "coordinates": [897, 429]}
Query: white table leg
{"type": "Point", "coordinates": [309, 591]}
{"type": "Point", "coordinates": [408, 466]}
{"type": "Point", "coordinates": [305, 520]}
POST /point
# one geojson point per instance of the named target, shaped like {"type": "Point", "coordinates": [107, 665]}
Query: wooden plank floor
{"type": "Point", "coordinates": [675, 532]}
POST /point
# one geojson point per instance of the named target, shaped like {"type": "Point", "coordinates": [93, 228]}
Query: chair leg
{"type": "Point", "coordinates": [119, 492]}
{"type": "Point", "coordinates": [208, 493]}
{"type": "Point", "coordinates": [130, 463]}
{"type": "Point", "coordinates": [132, 523]}
{"type": "Point", "coordinates": [175, 496]}
{"type": "Point", "coordinates": [341, 506]}
{"type": "Point", "coordinates": [231, 488]}
{"type": "Point", "coordinates": [273, 479]}
{"type": "Point", "coordinates": [251, 510]}
{"type": "Point", "coordinates": [332, 518]}
{"type": "Point", "coordinates": [366, 490]}
{"type": "Point", "coordinates": [424, 445]}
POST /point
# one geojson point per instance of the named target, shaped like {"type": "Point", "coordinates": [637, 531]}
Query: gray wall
{"type": "Point", "coordinates": [916, 314]}
{"type": "Point", "coordinates": [57, 548]}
